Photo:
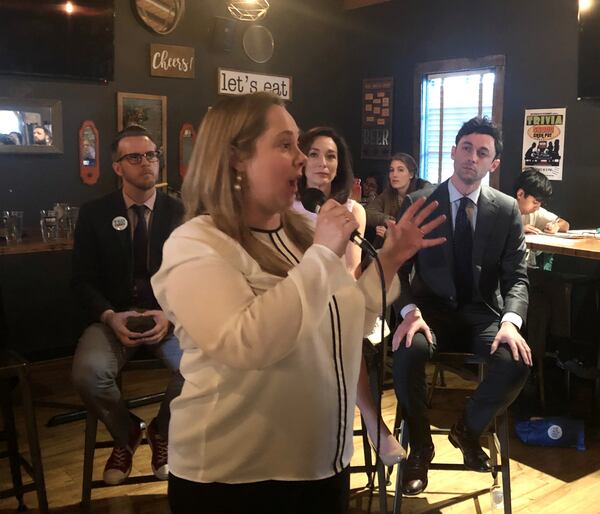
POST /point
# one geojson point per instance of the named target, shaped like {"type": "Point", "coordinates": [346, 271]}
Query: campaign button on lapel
{"type": "Point", "coordinates": [120, 223]}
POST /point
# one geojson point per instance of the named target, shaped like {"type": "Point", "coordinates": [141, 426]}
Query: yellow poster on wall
{"type": "Point", "coordinates": [543, 141]}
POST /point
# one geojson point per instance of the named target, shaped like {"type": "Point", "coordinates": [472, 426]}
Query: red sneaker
{"type": "Point", "coordinates": [159, 447]}
{"type": "Point", "coordinates": [118, 465]}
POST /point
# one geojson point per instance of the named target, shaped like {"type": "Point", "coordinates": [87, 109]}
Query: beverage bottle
{"type": "Point", "coordinates": [496, 499]}
{"type": "Point", "coordinates": [356, 190]}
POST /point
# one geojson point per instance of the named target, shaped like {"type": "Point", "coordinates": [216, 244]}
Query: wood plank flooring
{"type": "Point", "coordinates": [544, 480]}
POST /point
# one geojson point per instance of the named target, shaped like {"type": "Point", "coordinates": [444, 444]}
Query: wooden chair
{"type": "Point", "coordinates": [13, 373]}
{"type": "Point", "coordinates": [91, 443]}
{"type": "Point", "coordinates": [498, 435]}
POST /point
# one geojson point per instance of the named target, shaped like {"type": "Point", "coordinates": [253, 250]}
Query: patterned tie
{"type": "Point", "coordinates": [143, 295]}
{"type": "Point", "coordinates": [463, 251]}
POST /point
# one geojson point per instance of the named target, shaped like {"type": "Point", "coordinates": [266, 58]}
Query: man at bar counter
{"type": "Point", "coordinates": [118, 246]}
{"type": "Point", "coordinates": [468, 295]}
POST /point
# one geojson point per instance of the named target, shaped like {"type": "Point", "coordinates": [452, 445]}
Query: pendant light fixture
{"type": "Point", "coordinates": [248, 10]}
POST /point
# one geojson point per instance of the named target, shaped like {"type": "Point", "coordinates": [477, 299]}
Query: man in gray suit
{"type": "Point", "coordinates": [470, 294]}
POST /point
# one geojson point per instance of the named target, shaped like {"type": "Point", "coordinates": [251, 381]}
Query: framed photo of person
{"type": "Point", "coordinates": [149, 111]}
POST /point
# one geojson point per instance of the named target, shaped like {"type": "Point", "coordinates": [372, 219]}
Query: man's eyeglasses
{"type": "Point", "coordinates": [136, 158]}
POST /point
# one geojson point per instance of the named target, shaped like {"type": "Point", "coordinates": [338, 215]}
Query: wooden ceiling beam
{"type": "Point", "coordinates": [355, 4]}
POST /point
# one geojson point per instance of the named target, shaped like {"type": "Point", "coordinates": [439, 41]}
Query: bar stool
{"type": "Point", "coordinates": [553, 311]}
{"type": "Point", "coordinates": [373, 468]}
{"type": "Point", "coordinates": [14, 372]}
{"type": "Point", "coordinates": [91, 443]}
{"type": "Point", "coordinates": [498, 438]}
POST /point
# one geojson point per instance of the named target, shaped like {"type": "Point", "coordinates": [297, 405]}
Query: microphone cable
{"type": "Point", "coordinates": [379, 363]}
{"type": "Point", "coordinates": [312, 199]}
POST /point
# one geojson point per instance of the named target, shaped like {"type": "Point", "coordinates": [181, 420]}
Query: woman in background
{"type": "Point", "coordinates": [402, 180]}
{"type": "Point", "coordinates": [328, 168]}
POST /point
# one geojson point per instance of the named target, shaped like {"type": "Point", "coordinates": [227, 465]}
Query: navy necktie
{"type": "Point", "coordinates": [463, 252]}
{"type": "Point", "coordinates": [142, 295]}
{"type": "Point", "coordinates": [140, 243]}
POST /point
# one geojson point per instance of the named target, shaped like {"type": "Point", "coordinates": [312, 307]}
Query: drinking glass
{"type": "Point", "coordinates": [62, 224]}
{"type": "Point", "coordinates": [4, 215]}
{"type": "Point", "coordinates": [14, 229]}
{"type": "Point", "coordinates": [72, 215]}
{"type": "Point", "coordinates": [48, 224]}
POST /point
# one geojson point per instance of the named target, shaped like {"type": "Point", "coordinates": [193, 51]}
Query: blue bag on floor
{"type": "Point", "coordinates": [552, 431]}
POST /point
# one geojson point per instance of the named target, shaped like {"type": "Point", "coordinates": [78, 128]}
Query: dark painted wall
{"type": "Point", "coordinates": [306, 48]}
{"type": "Point", "coordinates": [327, 53]}
{"type": "Point", "coordinates": [40, 313]}
{"type": "Point", "coordinates": [539, 40]}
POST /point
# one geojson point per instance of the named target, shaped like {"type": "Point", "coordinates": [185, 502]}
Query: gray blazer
{"type": "Point", "coordinates": [499, 266]}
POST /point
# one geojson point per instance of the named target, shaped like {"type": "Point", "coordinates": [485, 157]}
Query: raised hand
{"type": "Point", "coordinates": [407, 236]}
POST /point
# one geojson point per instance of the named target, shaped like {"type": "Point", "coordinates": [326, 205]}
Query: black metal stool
{"type": "Point", "coordinates": [91, 427]}
{"type": "Point", "coordinates": [552, 314]}
{"type": "Point", "coordinates": [13, 372]}
{"type": "Point", "coordinates": [372, 468]}
{"type": "Point", "coordinates": [498, 437]}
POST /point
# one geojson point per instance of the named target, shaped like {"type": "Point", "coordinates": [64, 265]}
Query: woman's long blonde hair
{"type": "Point", "coordinates": [230, 129]}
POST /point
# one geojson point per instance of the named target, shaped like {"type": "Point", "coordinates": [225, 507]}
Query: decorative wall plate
{"type": "Point", "coordinates": [160, 16]}
{"type": "Point", "coordinates": [258, 43]}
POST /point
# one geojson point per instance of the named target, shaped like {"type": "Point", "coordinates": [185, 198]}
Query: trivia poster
{"type": "Point", "coordinates": [543, 141]}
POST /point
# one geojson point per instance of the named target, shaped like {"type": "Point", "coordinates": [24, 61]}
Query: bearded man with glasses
{"type": "Point", "coordinates": [117, 248]}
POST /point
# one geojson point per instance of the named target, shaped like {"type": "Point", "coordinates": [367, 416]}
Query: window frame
{"type": "Point", "coordinates": [495, 62]}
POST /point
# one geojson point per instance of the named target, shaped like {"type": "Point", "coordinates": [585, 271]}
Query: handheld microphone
{"type": "Point", "coordinates": [312, 199]}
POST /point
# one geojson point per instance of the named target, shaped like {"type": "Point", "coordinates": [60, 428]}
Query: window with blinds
{"type": "Point", "coordinates": [447, 101]}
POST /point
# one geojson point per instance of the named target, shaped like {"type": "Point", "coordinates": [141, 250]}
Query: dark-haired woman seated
{"type": "Point", "coordinates": [328, 168]}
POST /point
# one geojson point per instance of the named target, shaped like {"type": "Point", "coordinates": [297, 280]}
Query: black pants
{"type": "Point", "coordinates": [471, 328]}
{"type": "Point", "coordinates": [327, 496]}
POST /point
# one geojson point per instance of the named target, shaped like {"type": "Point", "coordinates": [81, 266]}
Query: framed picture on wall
{"type": "Point", "coordinates": [149, 111]}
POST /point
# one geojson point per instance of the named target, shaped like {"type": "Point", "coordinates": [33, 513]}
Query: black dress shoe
{"type": "Point", "coordinates": [474, 457]}
{"type": "Point", "coordinates": [414, 477]}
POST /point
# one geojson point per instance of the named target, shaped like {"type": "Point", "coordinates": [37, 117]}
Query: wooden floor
{"type": "Point", "coordinates": [543, 480]}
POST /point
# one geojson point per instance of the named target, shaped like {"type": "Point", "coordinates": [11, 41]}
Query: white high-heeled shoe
{"type": "Point", "coordinates": [389, 455]}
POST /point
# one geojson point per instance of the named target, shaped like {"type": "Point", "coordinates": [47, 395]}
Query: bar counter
{"type": "Point", "coordinates": [586, 247]}
{"type": "Point", "coordinates": [36, 245]}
